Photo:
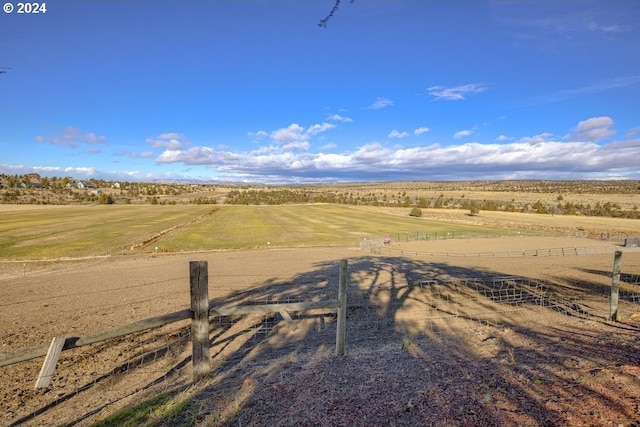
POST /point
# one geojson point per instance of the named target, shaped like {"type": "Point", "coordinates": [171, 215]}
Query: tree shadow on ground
{"type": "Point", "coordinates": [449, 353]}
{"type": "Point", "coordinates": [427, 344]}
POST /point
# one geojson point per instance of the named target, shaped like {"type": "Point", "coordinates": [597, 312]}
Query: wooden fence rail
{"type": "Point", "coordinates": [199, 284]}
{"type": "Point", "coordinates": [29, 353]}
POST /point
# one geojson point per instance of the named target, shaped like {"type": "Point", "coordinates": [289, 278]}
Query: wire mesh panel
{"type": "Point", "coordinates": [89, 379]}
{"type": "Point", "coordinates": [456, 306]}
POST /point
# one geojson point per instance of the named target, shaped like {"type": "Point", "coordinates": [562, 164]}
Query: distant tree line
{"type": "Point", "coordinates": [284, 196]}
{"type": "Point", "coordinates": [33, 189]}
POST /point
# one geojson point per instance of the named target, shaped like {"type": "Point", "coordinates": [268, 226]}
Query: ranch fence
{"type": "Point", "coordinates": [421, 303]}
{"type": "Point", "coordinates": [199, 313]}
{"type": "Point", "coordinates": [375, 242]}
{"type": "Point", "coordinates": [153, 339]}
{"type": "Point", "coordinates": [551, 252]}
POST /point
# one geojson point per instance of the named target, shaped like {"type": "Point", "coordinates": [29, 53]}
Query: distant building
{"type": "Point", "coordinates": [29, 185]}
{"type": "Point", "coordinates": [85, 184]}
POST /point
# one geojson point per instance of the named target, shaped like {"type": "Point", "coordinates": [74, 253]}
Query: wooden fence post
{"type": "Point", "coordinates": [201, 355]}
{"type": "Point", "coordinates": [615, 287]}
{"type": "Point", "coordinates": [44, 378]}
{"type": "Point", "coordinates": [342, 310]}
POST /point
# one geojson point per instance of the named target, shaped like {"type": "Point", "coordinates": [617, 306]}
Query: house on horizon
{"type": "Point", "coordinates": [85, 184]}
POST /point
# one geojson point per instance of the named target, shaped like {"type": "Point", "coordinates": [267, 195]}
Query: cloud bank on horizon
{"type": "Point", "coordinates": [506, 90]}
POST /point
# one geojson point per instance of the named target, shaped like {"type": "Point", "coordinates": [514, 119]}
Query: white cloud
{"type": "Point", "coordinates": [134, 154]}
{"type": "Point", "coordinates": [294, 132]}
{"type": "Point", "coordinates": [529, 154]}
{"type": "Point", "coordinates": [339, 118]}
{"type": "Point", "coordinates": [198, 156]}
{"type": "Point", "coordinates": [462, 133]}
{"type": "Point", "coordinates": [296, 145]}
{"type": "Point", "coordinates": [455, 93]}
{"type": "Point", "coordinates": [536, 139]}
{"type": "Point", "coordinates": [538, 156]}
{"type": "Point", "coordinates": [288, 157]}
{"type": "Point", "coordinates": [632, 132]}
{"type": "Point", "coordinates": [597, 87]}
{"type": "Point", "coordinates": [397, 134]}
{"type": "Point", "coordinates": [258, 135]}
{"type": "Point", "coordinates": [381, 103]}
{"type": "Point", "coordinates": [593, 129]}
{"type": "Point", "coordinates": [82, 172]}
{"type": "Point", "coordinates": [48, 170]}
{"type": "Point", "coordinates": [170, 140]}
{"type": "Point", "coordinates": [87, 172]}
{"type": "Point", "coordinates": [419, 131]}
{"type": "Point", "coordinates": [555, 30]}
{"type": "Point", "coordinates": [72, 137]}
{"type": "Point", "coordinates": [318, 128]}
{"type": "Point", "coordinates": [76, 172]}
{"type": "Point", "coordinates": [296, 136]}
{"type": "Point", "coordinates": [607, 29]}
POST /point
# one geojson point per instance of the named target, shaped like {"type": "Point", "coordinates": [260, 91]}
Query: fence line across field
{"type": "Point", "coordinates": [553, 252]}
{"type": "Point", "coordinates": [411, 236]}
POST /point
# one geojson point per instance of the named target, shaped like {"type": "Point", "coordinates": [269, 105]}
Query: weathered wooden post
{"type": "Point", "coordinates": [615, 287]}
{"type": "Point", "coordinates": [342, 310]}
{"type": "Point", "coordinates": [201, 355]}
{"type": "Point", "coordinates": [46, 372]}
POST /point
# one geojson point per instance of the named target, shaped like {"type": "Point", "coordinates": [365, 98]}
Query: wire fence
{"type": "Point", "coordinates": [375, 242]}
{"type": "Point", "coordinates": [437, 305]}
{"type": "Point", "coordinates": [91, 379]}
{"type": "Point", "coordinates": [550, 252]}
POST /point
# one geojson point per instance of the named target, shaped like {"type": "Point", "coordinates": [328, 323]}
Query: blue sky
{"type": "Point", "coordinates": [251, 90]}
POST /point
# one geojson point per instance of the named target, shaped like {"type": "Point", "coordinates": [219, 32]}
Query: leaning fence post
{"type": "Point", "coordinates": [342, 310]}
{"type": "Point", "coordinates": [615, 287]}
{"type": "Point", "coordinates": [44, 378]}
{"type": "Point", "coordinates": [201, 355]}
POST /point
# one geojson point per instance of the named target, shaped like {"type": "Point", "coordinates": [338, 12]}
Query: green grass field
{"type": "Point", "coordinates": [104, 230]}
{"type": "Point", "coordinates": [85, 230]}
